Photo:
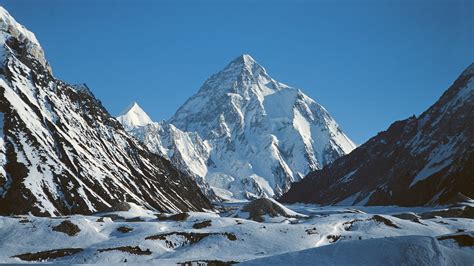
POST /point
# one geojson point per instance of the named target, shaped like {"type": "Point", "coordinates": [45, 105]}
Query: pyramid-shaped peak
{"type": "Point", "coordinates": [244, 64]}
{"type": "Point", "coordinates": [248, 59]}
{"type": "Point", "coordinates": [133, 107]}
{"type": "Point", "coordinates": [134, 116]}
{"type": "Point", "coordinates": [244, 59]}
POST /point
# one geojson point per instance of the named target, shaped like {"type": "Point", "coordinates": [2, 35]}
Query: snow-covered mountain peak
{"type": "Point", "coordinates": [263, 134]}
{"type": "Point", "coordinates": [243, 76]}
{"type": "Point", "coordinates": [14, 33]}
{"type": "Point", "coordinates": [133, 116]}
{"type": "Point", "coordinates": [244, 63]}
{"type": "Point", "coordinates": [245, 134]}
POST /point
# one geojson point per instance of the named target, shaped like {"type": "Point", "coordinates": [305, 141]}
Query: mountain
{"type": "Point", "coordinates": [427, 159]}
{"type": "Point", "coordinates": [62, 153]}
{"type": "Point", "coordinates": [248, 135]}
{"type": "Point", "coordinates": [185, 150]}
{"type": "Point", "coordinates": [133, 116]}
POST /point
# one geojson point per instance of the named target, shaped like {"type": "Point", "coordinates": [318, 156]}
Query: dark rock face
{"type": "Point", "coordinates": [452, 212]}
{"type": "Point", "coordinates": [49, 254]}
{"type": "Point", "coordinates": [129, 249]}
{"type": "Point", "coordinates": [409, 216]}
{"type": "Point", "coordinates": [208, 262]}
{"type": "Point", "coordinates": [175, 217]}
{"type": "Point", "coordinates": [121, 207]}
{"type": "Point", "coordinates": [124, 229]}
{"type": "Point", "coordinates": [203, 224]}
{"type": "Point", "coordinates": [463, 240]}
{"type": "Point", "coordinates": [67, 227]}
{"type": "Point", "coordinates": [264, 206]}
{"type": "Point", "coordinates": [418, 161]}
{"type": "Point", "coordinates": [62, 153]}
{"type": "Point", "coordinates": [187, 238]}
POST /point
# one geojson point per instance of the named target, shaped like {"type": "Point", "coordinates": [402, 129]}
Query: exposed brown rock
{"type": "Point", "coordinates": [67, 227]}
{"type": "Point", "coordinates": [132, 250]}
{"type": "Point", "coordinates": [48, 254]}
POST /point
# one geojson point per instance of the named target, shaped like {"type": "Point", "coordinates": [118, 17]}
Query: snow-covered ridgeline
{"type": "Point", "coordinates": [14, 29]}
{"type": "Point", "coordinates": [255, 135]}
{"type": "Point", "coordinates": [62, 153]}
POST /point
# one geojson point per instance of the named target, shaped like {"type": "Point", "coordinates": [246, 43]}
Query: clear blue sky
{"type": "Point", "coordinates": [368, 62]}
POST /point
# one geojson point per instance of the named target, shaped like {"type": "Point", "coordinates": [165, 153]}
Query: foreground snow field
{"type": "Point", "coordinates": [312, 234]}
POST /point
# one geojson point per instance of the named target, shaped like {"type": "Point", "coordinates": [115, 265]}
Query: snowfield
{"type": "Point", "coordinates": [311, 234]}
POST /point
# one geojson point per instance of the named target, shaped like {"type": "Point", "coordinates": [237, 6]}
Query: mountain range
{"type": "Point", "coordinates": [62, 153]}
{"type": "Point", "coordinates": [424, 160]}
{"type": "Point", "coordinates": [244, 134]}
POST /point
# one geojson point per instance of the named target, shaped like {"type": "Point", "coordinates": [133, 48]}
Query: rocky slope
{"type": "Point", "coordinates": [421, 160]}
{"type": "Point", "coordinates": [248, 135]}
{"type": "Point", "coordinates": [62, 153]}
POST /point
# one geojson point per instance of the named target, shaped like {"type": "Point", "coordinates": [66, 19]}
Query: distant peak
{"type": "Point", "coordinates": [244, 59]}
{"type": "Point", "coordinates": [131, 107]}
{"type": "Point", "coordinates": [134, 116]}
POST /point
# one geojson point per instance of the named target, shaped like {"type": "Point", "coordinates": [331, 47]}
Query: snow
{"type": "Point", "coordinates": [287, 210]}
{"type": "Point", "coordinates": [133, 116]}
{"type": "Point", "coordinates": [65, 137]}
{"type": "Point", "coordinates": [403, 250]}
{"type": "Point", "coordinates": [8, 21]}
{"type": "Point", "coordinates": [9, 27]}
{"type": "Point", "coordinates": [366, 199]}
{"type": "Point", "coordinates": [348, 201]}
{"type": "Point", "coordinates": [247, 135]}
{"type": "Point", "coordinates": [347, 177]}
{"type": "Point", "coordinates": [439, 159]}
{"type": "Point", "coordinates": [273, 242]}
{"type": "Point", "coordinates": [3, 158]}
{"type": "Point", "coordinates": [185, 150]}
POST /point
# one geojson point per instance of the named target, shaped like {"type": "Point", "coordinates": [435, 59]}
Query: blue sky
{"type": "Point", "coordinates": [368, 62]}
